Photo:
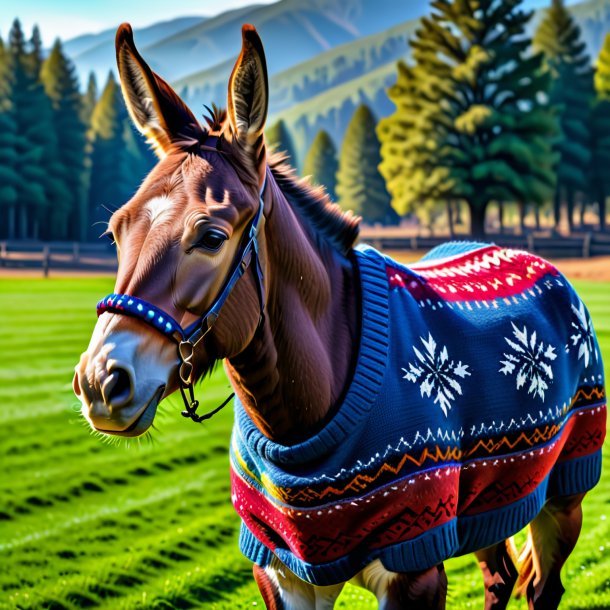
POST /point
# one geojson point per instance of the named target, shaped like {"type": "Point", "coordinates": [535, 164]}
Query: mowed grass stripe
{"type": "Point", "coordinates": [150, 552]}
{"type": "Point", "coordinates": [173, 550]}
{"type": "Point", "coordinates": [44, 497]}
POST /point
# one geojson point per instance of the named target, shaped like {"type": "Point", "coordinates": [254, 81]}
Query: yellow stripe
{"type": "Point", "coordinates": [243, 464]}
{"type": "Point", "coordinates": [263, 480]}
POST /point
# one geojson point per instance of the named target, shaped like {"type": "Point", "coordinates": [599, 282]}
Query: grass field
{"type": "Point", "coordinates": [85, 523]}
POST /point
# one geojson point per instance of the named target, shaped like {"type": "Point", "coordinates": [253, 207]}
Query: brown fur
{"type": "Point", "coordinates": [426, 590]}
{"type": "Point", "coordinates": [499, 574]}
{"type": "Point", "coordinates": [552, 536]}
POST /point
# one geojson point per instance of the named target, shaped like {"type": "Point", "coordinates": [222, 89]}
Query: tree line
{"type": "Point", "coordinates": [66, 158]}
{"type": "Point", "coordinates": [485, 116]}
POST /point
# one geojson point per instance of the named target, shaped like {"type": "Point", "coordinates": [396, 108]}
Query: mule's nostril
{"type": "Point", "coordinates": [118, 389]}
{"type": "Point", "coordinates": [76, 385]}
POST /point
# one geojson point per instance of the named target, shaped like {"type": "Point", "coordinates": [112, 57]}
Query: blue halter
{"type": "Point", "coordinates": [188, 338]}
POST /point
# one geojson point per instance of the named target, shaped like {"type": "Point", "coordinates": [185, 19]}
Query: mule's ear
{"type": "Point", "coordinates": [155, 108]}
{"type": "Point", "coordinates": [249, 89]}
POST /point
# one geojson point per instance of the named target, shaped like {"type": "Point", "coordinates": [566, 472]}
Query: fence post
{"type": "Point", "coordinates": [530, 242]}
{"type": "Point", "coordinates": [46, 256]}
{"type": "Point", "coordinates": [586, 245]}
{"type": "Point", "coordinates": [414, 243]}
{"type": "Point", "coordinates": [75, 251]}
{"type": "Point", "coordinates": [2, 253]}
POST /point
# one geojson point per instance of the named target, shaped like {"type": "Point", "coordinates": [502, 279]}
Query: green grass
{"type": "Point", "coordinates": [149, 524]}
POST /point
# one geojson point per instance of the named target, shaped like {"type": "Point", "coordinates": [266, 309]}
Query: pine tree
{"type": "Point", "coordinates": [600, 130]}
{"type": "Point", "coordinates": [409, 162]}
{"type": "Point", "coordinates": [118, 162]}
{"type": "Point", "coordinates": [89, 99]}
{"type": "Point", "coordinates": [321, 163]}
{"type": "Point", "coordinates": [360, 186]}
{"type": "Point", "coordinates": [51, 221]}
{"type": "Point", "coordinates": [36, 51]}
{"type": "Point", "coordinates": [278, 138]}
{"type": "Point", "coordinates": [61, 85]}
{"type": "Point", "coordinates": [558, 37]}
{"type": "Point", "coordinates": [39, 187]}
{"type": "Point", "coordinates": [471, 123]}
{"type": "Point", "coordinates": [9, 177]}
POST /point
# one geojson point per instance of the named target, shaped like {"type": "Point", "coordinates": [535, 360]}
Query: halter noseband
{"type": "Point", "coordinates": [188, 338]}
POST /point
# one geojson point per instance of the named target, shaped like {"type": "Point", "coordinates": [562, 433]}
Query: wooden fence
{"type": "Point", "coordinates": [101, 258]}
{"type": "Point", "coordinates": [583, 245]}
{"type": "Point", "coordinates": [71, 256]}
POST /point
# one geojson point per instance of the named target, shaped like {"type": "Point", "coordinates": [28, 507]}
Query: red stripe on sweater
{"type": "Point", "coordinates": [493, 483]}
{"type": "Point", "coordinates": [483, 275]}
{"type": "Point", "coordinates": [403, 510]}
{"type": "Point", "coordinates": [391, 514]}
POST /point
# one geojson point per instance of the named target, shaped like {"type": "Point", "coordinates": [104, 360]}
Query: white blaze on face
{"type": "Point", "coordinates": [158, 208]}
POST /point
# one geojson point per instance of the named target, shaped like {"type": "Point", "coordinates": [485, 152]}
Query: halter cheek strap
{"type": "Point", "coordinates": [188, 338]}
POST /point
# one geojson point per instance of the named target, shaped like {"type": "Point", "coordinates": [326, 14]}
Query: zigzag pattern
{"type": "Point", "coordinates": [489, 277]}
{"type": "Point", "coordinates": [582, 444]}
{"type": "Point", "coordinates": [409, 524]}
{"type": "Point", "coordinates": [483, 447]}
{"type": "Point", "coordinates": [362, 482]}
{"type": "Point", "coordinates": [584, 396]}
{"type": "Point", "coordinates": [491, 447]}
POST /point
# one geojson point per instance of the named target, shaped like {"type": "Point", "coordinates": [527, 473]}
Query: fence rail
{"type": "Point", "coordinates": [101, 257]}
{"type": "Point", "coordinates": [57, 256]}
{"type": "Point", "coordinates": [550, 246]}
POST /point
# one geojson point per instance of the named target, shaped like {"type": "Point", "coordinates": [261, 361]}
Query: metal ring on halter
{"type": "Point", "coordinates": [188, 338]}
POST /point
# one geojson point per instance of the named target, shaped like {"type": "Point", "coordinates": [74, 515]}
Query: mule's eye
{"type": "Point", "coordinates": [211, 240]}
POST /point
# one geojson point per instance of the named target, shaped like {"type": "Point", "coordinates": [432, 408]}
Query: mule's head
{"type": "Point", "coordinates": [178, 239]}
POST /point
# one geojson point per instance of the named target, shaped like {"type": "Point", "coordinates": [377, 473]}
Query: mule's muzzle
{"type": "Point", "coordinates": [142, 422]}
{"type": "Point", "coordinates": [122, 377]}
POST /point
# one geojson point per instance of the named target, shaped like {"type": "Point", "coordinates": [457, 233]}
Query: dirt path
{"type": "Point", "coordinates": [593, 269]}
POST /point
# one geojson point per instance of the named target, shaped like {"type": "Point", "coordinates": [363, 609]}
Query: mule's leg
{"type": "Point", "coordinates": [552, 537]}
{"type": "Point", "coordinates": [283, 590]}
{"type": "Point", "coordinates": [499, 574]}
{"type": "Point", "coordinates": [426, 590]}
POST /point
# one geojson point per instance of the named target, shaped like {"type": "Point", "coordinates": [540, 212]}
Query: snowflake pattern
{"type": "Point", "coordinates": [436, 373]}
{"type": "Point", "coordinates": [583, 337]}
{"type": "Point", "coordinates": [530, 360]}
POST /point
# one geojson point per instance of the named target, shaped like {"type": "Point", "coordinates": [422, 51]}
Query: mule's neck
{"type": "Point", "coordinates": [296, 368]}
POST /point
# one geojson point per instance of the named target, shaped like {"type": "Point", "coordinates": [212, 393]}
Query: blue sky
{"type": "Point", "coordinates": [69, 18]}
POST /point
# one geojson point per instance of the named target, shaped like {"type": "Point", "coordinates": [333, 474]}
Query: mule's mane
{"type": "Point", "coordinates": [215, 117]}
{"type": "Point", "coordinates": [340, 229]}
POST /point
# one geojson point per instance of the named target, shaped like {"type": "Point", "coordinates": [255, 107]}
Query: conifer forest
{"type": "Point", "coordinates": [491, 118]}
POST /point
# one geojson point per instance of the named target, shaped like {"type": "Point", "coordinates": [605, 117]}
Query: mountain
{"type": "Point", "coordinates": [324, 56]}
{"type": "Point", "coordinates": [293, 30]}
{"type": "Point", "coordinates": [299, 83]}
{"type": "Point", "coordinates": [96, 51]}
{"type": "Point", "coordinates": [593, 17]}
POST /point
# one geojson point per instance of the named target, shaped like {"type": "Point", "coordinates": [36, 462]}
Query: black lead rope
{"type": "Point", "coordinates": [191, 404]}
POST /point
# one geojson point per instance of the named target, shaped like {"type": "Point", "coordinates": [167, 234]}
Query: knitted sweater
{"type": "Point", "coordinates": [477, 394]}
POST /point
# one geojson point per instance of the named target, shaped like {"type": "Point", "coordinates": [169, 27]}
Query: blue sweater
{"type": "Point", "coordinates": [478, 393]}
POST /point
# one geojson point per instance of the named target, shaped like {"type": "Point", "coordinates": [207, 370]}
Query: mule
{"type": "Point", "coordinates": [386, 417]}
